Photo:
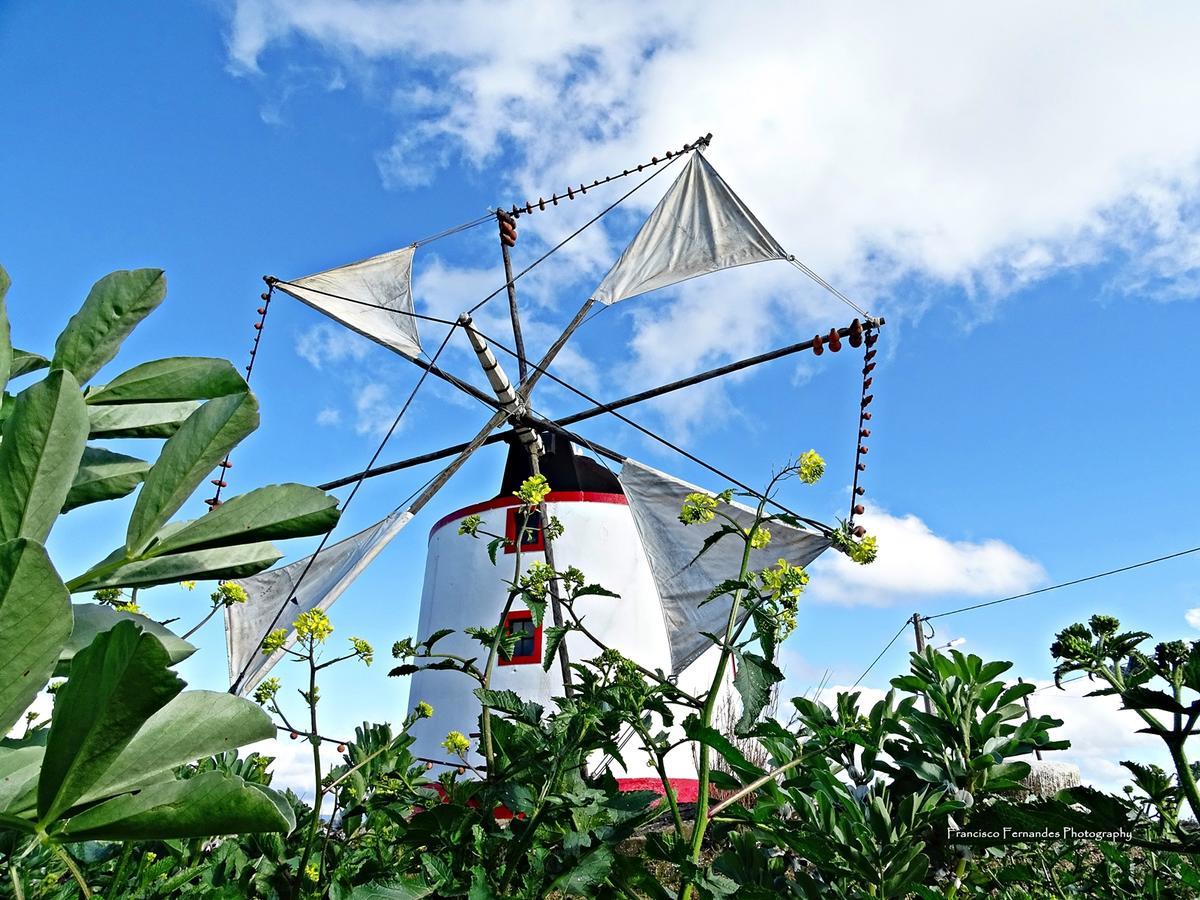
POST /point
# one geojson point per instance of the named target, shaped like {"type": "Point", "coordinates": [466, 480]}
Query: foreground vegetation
{"type": "Point", "coordinates": [134, 786]}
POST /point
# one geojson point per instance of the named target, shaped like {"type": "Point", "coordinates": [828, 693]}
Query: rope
{"type": "Point", "coordinates": [225, 465]}
{"type": "Point", "coordinates": [325, 538]}
{"type": "Point", "coordinates": [454, 230]}
{"type": "Point", "coordinates": [529, 206]}
{"type": "Point", "coordinates": [578, 231]}
{"type": "Point", "coordinates": [1054, 587]}
{"type": "Point", "coordinates": [829, 287]}
{"type": "Point", "coordinates": [399, 312]}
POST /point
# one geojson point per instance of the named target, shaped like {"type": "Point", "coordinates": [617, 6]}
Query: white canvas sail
{"type": "Point", "coordinates": [334, 570]}
{"type": "Point", "coordinates": [655, 500]}
{"type": "Point", "coordinates": [699, 226]}
{"type": "Point", "coordinates": [384, 282]}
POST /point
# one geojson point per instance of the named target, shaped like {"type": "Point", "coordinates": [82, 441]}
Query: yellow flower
{"type": "Point", "coordinates": [784, 581]}
{"type": "Point", "coordinates": [312, 872]}
{"type": "Point", "coordinates": [537, 579]}
{"type": "Point", "coordinates": [266, 690]}
{"type": "Point", "coordinates": [533, 490]}
{"type": "Point", "coordinates": [697, 509]}
{"type": "Point", "coordinates": [365, 651]}
{"type": "Point", "coordinates": [313, 625]}
{"type": "Point", "coordinates": [469, 525]}
{"type": "Point", "coordinates": [760, 538]}
{"type": "Point", "coordinates": [423, 710]}
{"type": "Point", "coordinates": [274, 641]}
{"type": "Point", "coordinates": [456, 742]}
{"type": "Point", "coordinates": [865, 550]}
{"type": "Point", "coordinates": [129, 607]}
{"type": "Point", "coordinates": [810, 466]}
{"type": "Point", "coordinates": [228, 593]}
{"type": "Point", "coordinates": [188, 585]}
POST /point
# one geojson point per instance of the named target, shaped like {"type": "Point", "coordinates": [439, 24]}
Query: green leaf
{"type": "Point", "coordinates": [509, 702]}
{"type": "Point", "coordinates": [719, 742]}
{"type": "Point", "coordinates": [210, 804]}
{"type": "Point", "coordinates": [553, 636]}
{"type": "Point", "coordinates": [582, 879]}
{"type": "Point", "coordinates": [113, 308]}
{"type": "Point", "coordinates": [43, 440]}
{"type": "Point", "coordinates": [139, 420]}
{"type": "Point", "coordinates": [116, 684]}
{"type": "Point", "coordinates": [187, 456]}
{"type": "Point", "coordinates": [176, 378]}
{"type": "Point", "coordinates": [406, 887]}
{"type": "Point", "coordinates": [19, 768]}
{"type": "Point", "coordinates": [24, 362]}
{"type": "Point", "coordinates": [217, 563]}
{"type": "Point", "coordinates": [92, 619]}
{"type": "Point", "coordinates": [275, 512]}
{"type": "Point", "coordinates": [35, 619]}
{"type": "Point", "coordinates": [104, 475]}
{"type": "Point", "coordinates": [195, 725]}
{"type": "Point", "coordinates": [754, 680]}
{"type": "Point", "coordinates": [6, 347]}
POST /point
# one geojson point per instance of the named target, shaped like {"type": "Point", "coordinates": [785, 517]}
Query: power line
{"type": "Point", "coordinates": [1054, 587]}
{"type": "Point", "coordinates": [887, 647]}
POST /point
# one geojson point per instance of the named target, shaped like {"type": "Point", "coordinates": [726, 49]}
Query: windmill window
{"type": "Point", "coordinates": [529, 642]}
{"type": "Point", "coordinates": [532, 538]}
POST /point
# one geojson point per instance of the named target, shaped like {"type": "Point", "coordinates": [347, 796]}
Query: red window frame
{"type": "Point", "coordinates": [510, 533]}
{"type": "Point", "coordinates": [522, 615]}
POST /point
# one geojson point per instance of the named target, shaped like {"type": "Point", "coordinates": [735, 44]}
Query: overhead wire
{"type": "Point", "coordinates": [879, 656]}
{"type": "Point", "coordinates": [1055, 587]}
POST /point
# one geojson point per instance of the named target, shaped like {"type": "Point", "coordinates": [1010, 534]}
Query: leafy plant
{"type": "Point", "coordinates": [105, 768]}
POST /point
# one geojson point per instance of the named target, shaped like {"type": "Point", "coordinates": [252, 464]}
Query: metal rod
{"type": "Point", "coordinates": [580, 416]}
{"type": "Point", "coordinates": [518, 340]}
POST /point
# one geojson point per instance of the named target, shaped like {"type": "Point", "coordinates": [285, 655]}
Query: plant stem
{"type": "Point", "coordinates": [758, 782]}
{"type": "Point", "coordinates": [18, 891]}
{"type": "Point", "coordinates": [212, 612]}
{"type": "Point", "coordinates": [72, 868]}
{"type": "Point", "coordinates": [700, 825]}
{"type": "Point", "coordinates": [114, 884]}
{"type": "Point", "coordinates": [318, 793]}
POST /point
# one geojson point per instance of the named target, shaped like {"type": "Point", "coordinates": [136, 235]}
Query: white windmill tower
{"type": "Point", "coordinates": [621, 528]}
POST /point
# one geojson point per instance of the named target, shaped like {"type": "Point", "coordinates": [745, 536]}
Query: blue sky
{"type": "Point", "coordinates": [1016, 193]}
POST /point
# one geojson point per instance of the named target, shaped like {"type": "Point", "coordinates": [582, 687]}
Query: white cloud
{"type": "Point", "coordinates": [329, 416]}
{"type": "Point", "coordinates": [983, 147]}
{"type": "Point", "coordinates": [913, 561]}
{"type": "Point", "coordinates": [374, 409]}
{"type": "Point", "coordinates": [325, 343]}
{"type": "Point", "coordinates": [1193, 617]}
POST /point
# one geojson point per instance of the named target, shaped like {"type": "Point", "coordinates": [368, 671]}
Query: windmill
{"type": "Point", "coordinates": [620, 526]}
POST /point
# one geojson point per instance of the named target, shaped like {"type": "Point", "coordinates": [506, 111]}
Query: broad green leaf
{"type": "Point", "coordinates": [406, 887]}
{"type": "Point", "coordinates": [104, 475]}
{"type": "Point", "coordinates": [35, 619]}
{"type": "Point", "coordinates": [19, 768]}
{"type": "Point", "coordinates": [6, 347]}
{"type": "Point", "coordinates": [116, 684]}
{"type": "Point", "coordinates": [176, 378]}
{"type": "Point", "coordinates": [754, 680]}
{"type": "Point", "coordinates": [553, 637]}
{"type": "Point", "coordinates": [186, 458]}
{"type": "Point", "coordinates": [728, 750]}
{"type": "Point", "coordinates": [24, 362]}
{"type": "Point", "coordinates": [43, 441]}
{"type": "Point", "coordinates": [588, 873]}
{"type": "Point", "coordinates": [210, 804]}
{"type": "Point", "coordinates": [195, 725]}
{"type": "Point", "coordinates": [93, 618]}
{"type": "Point", "coordinates": [199, 565]}
{"type": "Point", "coordinates": [139, 420]}
{"type": "Point", "coordinates": [113, 308]}
{"type": "Point", "coordinates": [275, 512]}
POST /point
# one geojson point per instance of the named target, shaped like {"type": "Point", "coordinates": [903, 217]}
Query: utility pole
{"type": "Point", "coordinates": [919, 633]}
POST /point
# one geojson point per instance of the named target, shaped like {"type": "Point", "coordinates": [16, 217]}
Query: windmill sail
{"type": "Point", "coordinates": [383, 287]}
{"type": "Point", "coordinates": [699, 226]}
{"type": "Point", "coordinates": [655, 500]}
{"type": "Point", "coordinates": [335, 568]}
